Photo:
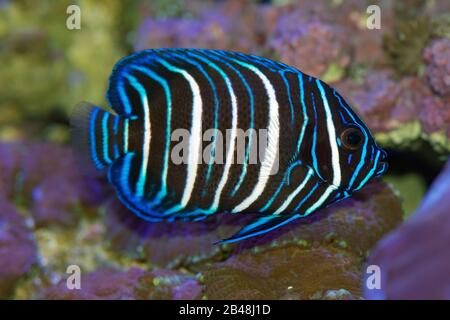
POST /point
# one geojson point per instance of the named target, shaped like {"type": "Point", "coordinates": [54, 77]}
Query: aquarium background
{"type": "Point", "coordinates": [51, 216]}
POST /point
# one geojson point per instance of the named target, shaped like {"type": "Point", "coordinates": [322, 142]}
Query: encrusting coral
{"type": "Point", "coordinates": [112, 238]}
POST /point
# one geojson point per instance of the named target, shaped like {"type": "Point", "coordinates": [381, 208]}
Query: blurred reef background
{"type": "Point", "coordinates": [397, 78]}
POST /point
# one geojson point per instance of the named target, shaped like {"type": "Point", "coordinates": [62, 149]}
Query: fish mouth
{"type": "Point", "coordinates": [382, 165]}
{"type": "Point", "coordinates": [381, 169]}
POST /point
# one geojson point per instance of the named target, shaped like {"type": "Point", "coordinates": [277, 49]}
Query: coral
{"type": "Point", "coordinates": [289, 273]}
{"type": "Point", "coordinates": [441, 25]}
{"type": "Point", "coordinates": [405, 45]}
{"type": "Point", "coordinates": [132, 284]}
{"type": "Point", "coordinates": [411, 186]}
{"type": "Point", "coordinates": [47, 178]}
{"type": "Point", "coordinates": [418, 271]}
{"type": "Point", "coordinates": [437, 59]}
{"type": "Point", "coordinates": [164, 244]}
{"type": "Point", "coordinates": [176, 32]}
{"type": "Point", "coordinates": [435, 114]}
{"type": "Point", "coordinates": [401, 113]}
{"type": "Point", "coordinates": [310, 46]}
{"type": "Point", "coordinates": [354, 224]}
{"type": "Point", "coordinates": [217, 28]}
{"type": "Point", "coordinates": [48, 68]}
{"type": "Point", "coordinates": [17, 249]}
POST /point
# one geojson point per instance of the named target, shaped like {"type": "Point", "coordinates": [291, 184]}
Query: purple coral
{"type": "Point", "coordinates": [310, 46]}
{"type": "Point", "coordinates": [437, 59]}
{"type": "Point", "coordinates": [17, 249]}
{"type": "Point", "coordinates": [385, 104]}
{"type": "Point", "coordinates": [217, 28]}
{"type": "Point", "coordinates": [435, 114]}
{"type": "Point", "coordinates": [48, 176]}
{"type": "Point", "coordinates": [132, 284]}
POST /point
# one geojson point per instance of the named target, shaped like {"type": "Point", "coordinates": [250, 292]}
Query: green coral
{"type": "Point", "coordinates": [441, 26]}
{"type": "Point", "coordinates": [412, 32]}
{"type": "Point", "coordinates": [410, 136]}
{"type": "Point", "coordinates": [48, 68]}
{"type": "Point", "coordinates": [405, 45]}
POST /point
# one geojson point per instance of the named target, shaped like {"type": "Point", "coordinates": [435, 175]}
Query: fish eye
{"type": "Point", "coordinates": [352, 138]}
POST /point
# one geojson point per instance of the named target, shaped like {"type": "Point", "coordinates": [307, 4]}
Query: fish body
{"type": "Point", "coordinates": [317, 150]}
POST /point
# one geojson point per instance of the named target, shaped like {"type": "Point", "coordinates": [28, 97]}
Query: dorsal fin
{"type": "Point", "coordinates": [126, 88]}
{"type": "Point", "coordinates": [274, 66]}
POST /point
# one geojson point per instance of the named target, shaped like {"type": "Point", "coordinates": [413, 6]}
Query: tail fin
{"type": "Point", "coordinates": [97, 135]}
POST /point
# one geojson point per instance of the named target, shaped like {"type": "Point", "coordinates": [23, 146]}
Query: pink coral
{"type": "Point", "coordinates": [386, 104]}
{"type": "Point", "coordinates": [310, 46]}
{"type": "Point", "coordinates": [437, 59]}
{"type": "Point", "coordinates": [435, 114]}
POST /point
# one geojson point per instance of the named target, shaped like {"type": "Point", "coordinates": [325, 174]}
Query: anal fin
{"type": "Point", "coordinates": [260, 226]}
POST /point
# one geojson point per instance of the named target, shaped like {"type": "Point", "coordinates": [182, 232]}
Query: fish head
{"type": "Point", "coordinates": [360, 158]}
{"type": "Point", "coordinates": [346, 154]}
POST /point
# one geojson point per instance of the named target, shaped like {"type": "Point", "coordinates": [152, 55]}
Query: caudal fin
{"type": "Point", "coordinates": [97, 135]}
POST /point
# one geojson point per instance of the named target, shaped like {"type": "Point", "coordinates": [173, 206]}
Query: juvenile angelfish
{"type": "Point", "coordinates": [321, 150]}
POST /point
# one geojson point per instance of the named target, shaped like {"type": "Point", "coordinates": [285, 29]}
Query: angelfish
{"type": "Point", "coordinates": [323, 151]}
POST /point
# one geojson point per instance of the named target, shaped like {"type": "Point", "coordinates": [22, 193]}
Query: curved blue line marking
{"type": "Point", "coordinates": [314, 144]}
{"type": "Point", "coordinates": [371, 172]}
{"type": "Point", "coordinates": [143, 172]}
{"type": "Point", "coordinates": [288, 88]}
{"type": "Point", "coordinates": [216, 112]}
{"type": "Point", "coordinates": [361, 161]}
{"type": "Point", "coordinates": [313, 189]}
{"type": "Point", "coordinates": [125, 135]}
{"type": "Point", "coordinates": [105, 138]}
{"type": "Point", "coordinates": [305, 114]}
{"type": "Point", "coordinates": [128, 199]}
{"type": "Point", "coordinates": [123, 96]}
{"type": "Point", "coordinates": [98, 164]}
{"type": "Point", "coordinates": [116, 131]}
{"type": "Point", "coordinates": [346, 108]}
{"type": "Point", "coordinates": [273, 66]}
{"type": "Point", "coordinates": [163, 190]}
{"type": "Point", "coordinates": [366, 140]}
{"type": "Point", "coordinates": [286, 179]}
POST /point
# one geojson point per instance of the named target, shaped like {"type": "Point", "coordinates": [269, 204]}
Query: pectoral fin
{"type": "Point", "coordinates": [260, 226]}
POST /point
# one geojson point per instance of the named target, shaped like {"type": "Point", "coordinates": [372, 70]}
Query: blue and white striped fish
{"type": "Point", "coordinates": [323, 150]}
